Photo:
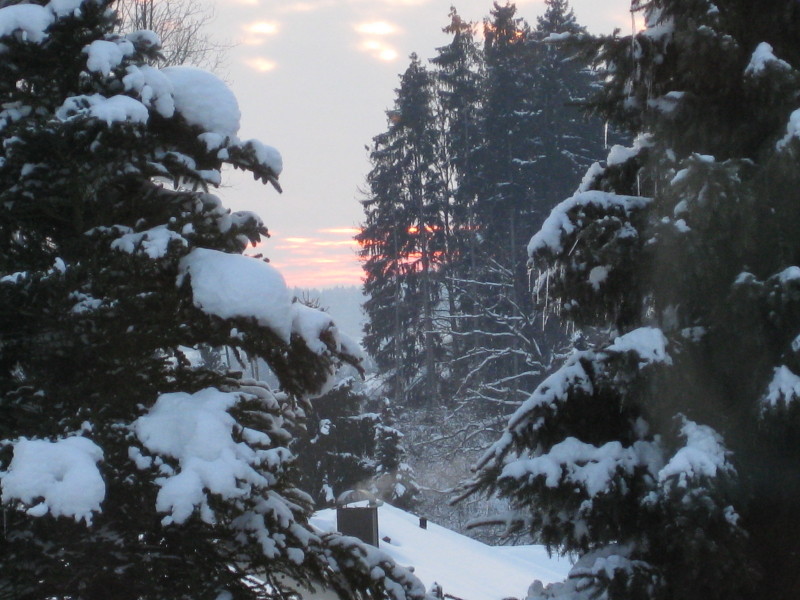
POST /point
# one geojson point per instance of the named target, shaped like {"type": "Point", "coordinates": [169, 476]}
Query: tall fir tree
{"type": "Point", "coordinates": [125, 471]}
{"type": "Point", "coordinates": [458, 79]}
{"type": "Point", "coordinates": [568, 140]}
{"type": "Point", "coordinates": [535, 142]}
{"type": "Point", "coordinates": [402, 243]}
{"type": "Point", "coordinates": [667, 453]}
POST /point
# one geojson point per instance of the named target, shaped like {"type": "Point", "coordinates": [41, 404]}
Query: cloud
{"type": "Point", "coordinates": [327, 258]}
{"type": "Point", "coordinates": [304, 7]}
{"type": "Point", "coordinates": [262, 27]}
{"type": "Point", "coordinates": [342, 230]}
{"type": "Point", "coordinates": [261, 64]}
{"type": "Point", "coordinates": [377, 28]}
{"type": "Point", "coordinates": [373, 46]}
{"type": "Point", "coordinates": [256, 33]}
{"type": "Point", "coordinates": [379, 50]}
{"type": "Point", "coordinates": [401, 2]}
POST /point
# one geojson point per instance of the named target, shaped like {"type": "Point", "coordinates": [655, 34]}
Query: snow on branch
{"type": "Point", "coordinates": [579, 465]}
{"type": "Point", "coordinates": [648, 343]}
{"type": "Point", "coordinates": [232, 285]}
{"type": "Point", "coordinates": [783, 389]}
{"type": "Point", "coordinates": [568, 217]}
{"type": "Point", "coordinates": [204, 100]}
{"type": "Point", "coordinates": [703, 455]}
{"type": "Point", "coordinates": [198, 432]}
{"type": "Point", "coordinates": [30, 21]}
{"type": "Point", "coordinates": [595, 572]}
{"type": "Point", "coordinates": [60, 477]}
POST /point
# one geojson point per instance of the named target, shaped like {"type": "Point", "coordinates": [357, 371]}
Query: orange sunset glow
{"type": "Point", "coordinates": [328, 258]}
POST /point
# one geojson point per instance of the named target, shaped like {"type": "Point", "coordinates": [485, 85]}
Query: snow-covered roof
{"type": "Point", "coordinates": [465, 568]}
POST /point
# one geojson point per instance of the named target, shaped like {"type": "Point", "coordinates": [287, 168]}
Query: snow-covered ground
{"type": "Point", "coordinates": [465, 568]}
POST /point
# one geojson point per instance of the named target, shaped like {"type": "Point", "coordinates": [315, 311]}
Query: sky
{"type": "Point", "coordinates": [314, 79]}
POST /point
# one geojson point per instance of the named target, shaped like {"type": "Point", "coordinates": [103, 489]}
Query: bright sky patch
{"type": "Point", "coordinates": [259, 63]}
{"type": "Point", "coordinates": [376, 28]}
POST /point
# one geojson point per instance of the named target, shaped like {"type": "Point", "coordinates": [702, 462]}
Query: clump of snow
{"type": "Point", "coordinates": [703, 455]}
{"type": "Point", "coordinates": [118, 108]}
{"type": "Point", "coordinates": [763, 57]}
{"type": "Point", "coordinates": [558, 223]}
{"type": "Point", "coordinates": [658, 27]}
{"type": "Point", "coordinates": [84, 303]}
{"type": "Point", "coordinates": [620, 154]}
{"type": "Point", "coordinates": [144, 39]}
{"type": "Point", "coordinates": [792, 130]}
{"type": "Point", "coordinates": [266, 155]}
{"type": "Point", "coordinates": [590, 575]}
{"type": "Point", "coordinates": [152, 87]}
{"type": "Point", "coordinates": [784, 387]}
{"type": "Point", "coordinates": [232, 285]}
{"type": "Point", "coordinates": [557, 37]}
{"type": "Point", "coordinates": [592, 173]}
{"type": "Point", "coordinates": [212, 141]}
{"type": "Point", "coordinates": [309, 323]}
{"type": "Point", "coordinates": [64, 8]}
{"type": "Point", "coordinates": [153, 242]}
{"type": "Point", "coordinates": [597, 276]}
{"type": "Point", "coordinates": [197, 430]}
{"type": "Point", "coordinates": [666, 103]}
{"type": "Point", "coordinates": [30, 20]}
{"type": "Point", "coordinates": [103, 56]}
{"type": "Point", "coordinates": [649, 343]}
{"type": "Point", "coordinates": [787, 275]}
{"type": "Point", "coordinates": [204, 100]}
{"type": "Point", "coordinates": [58, 477]}
{"type": "Point", "coordinates": [590, 467]}
{"type": "Point", "coordinates": [554, 389]}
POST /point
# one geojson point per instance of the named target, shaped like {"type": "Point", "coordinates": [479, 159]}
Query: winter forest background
{"type": "Point", "coordinates": [582, 277]}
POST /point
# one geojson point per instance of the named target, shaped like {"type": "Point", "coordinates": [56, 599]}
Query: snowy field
{"type": "Point", "coordinates": [465, 568]}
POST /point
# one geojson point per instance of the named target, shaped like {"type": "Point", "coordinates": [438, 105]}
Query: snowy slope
{"type": "Point", "coordinates": [464, 567]}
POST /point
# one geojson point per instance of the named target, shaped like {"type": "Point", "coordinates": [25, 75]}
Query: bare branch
{"type": "Point", "coordinates": [182, 25]}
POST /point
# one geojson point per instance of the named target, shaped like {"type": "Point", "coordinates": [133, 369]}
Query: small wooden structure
{"type": "Point", "coordinates": [358, 521]}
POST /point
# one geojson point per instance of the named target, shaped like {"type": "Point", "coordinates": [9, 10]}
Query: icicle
{"type": "Point", "coordinates": [546, 299]}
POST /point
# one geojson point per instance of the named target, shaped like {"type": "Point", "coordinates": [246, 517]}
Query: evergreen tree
{"type": "Point", "coordinates": [666, 452]}
{"type": "Point", "coordinates": [126, 472]}
{"type": "Point", "coordinates": [502, 178]}
{"type": "Point", "coordinates": [502, 357]}
{"type": "Point", "coordinates": [458, 81]}
{"type": "Point", "coordinates": [337, 452]}
{"type": "Point", "coordinates": [401, 242]}
{"type": "Point", "coordinates": [394, 480]}
{"type": "Point", "coordinates": [567, 140]}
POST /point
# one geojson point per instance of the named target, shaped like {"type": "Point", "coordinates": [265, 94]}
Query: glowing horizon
{"type": "Point", "coordinates": [325, 259]}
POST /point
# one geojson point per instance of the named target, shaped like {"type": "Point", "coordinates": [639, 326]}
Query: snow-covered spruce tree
{"type": "Point", "coordinates": [401, 243]}
{"type": "Point", "coordinates": [336, 453]}
{"type": "Point", "coordinates": [668, 455]}
{"type": "Point", "coordinates": [125, 472]}
{"type": "Point", "coordinates": [568, 141]}
{"type": "Point", "coordinates": [394, 479]}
